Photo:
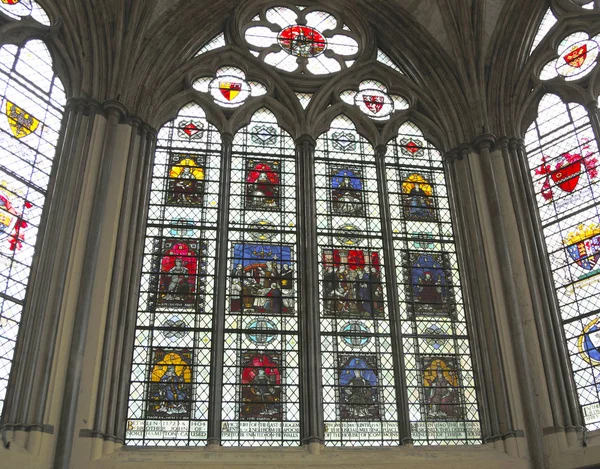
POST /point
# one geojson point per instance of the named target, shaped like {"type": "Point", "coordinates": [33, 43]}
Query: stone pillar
{"type": "Point", "coordinates": [486, 359]}
{"type": "Point", "coordinates": [114, 373]}
{"type": "Point", "coordinates": [490, 295]}
{"type": "Point", "coordinates": [564, 406]}
{"type": "Point", "coordinates": [312, 431]}
{"type": "Point", "coordinates": [96, 276]}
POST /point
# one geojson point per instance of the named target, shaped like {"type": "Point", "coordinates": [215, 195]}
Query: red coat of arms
{"type": "Point", "coordinates": [566, 172]}
{"type": "Point", "coordinates": [576, 57]}
{"type": "Point", "coordinates": [373, 103]}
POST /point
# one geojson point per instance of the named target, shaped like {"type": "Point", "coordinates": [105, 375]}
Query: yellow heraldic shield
{"type": "Point", "coordinates": [21, 122]}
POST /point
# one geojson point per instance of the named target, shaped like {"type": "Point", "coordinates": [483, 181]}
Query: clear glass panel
{"type": "Point", "coordinates": [563, 159]}
{"type": "Point", "coordinates": [168, 402]}
{"type": "Point", "coordinates": [215, 43]}
{"type": "Point", "coordinates": [261, 398]}
{"type": "Point", "coordinates": [438, 369]}
{"type": "Point", "coordinates": [385, 59]}
{"type": "Point", "coordinates": [548, 21]}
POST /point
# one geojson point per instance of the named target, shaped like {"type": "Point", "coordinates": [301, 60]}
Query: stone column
{"type": "Point", "coordinates": [115, 363]}
{"type": "Point", "coordinates": [477, 219]}
{"type": "Point", "coordinates": [524, 346]}
{"type": "Point", "coordinates": [311, 392]}
{"type": "Point", "coordinates": [96, 239]}
{"type": "Point", "coordinates": [563, 396]}
{"type": "Point", "coordinates": [393, 298]}
{"type": "Point", "coordinates": [472, 258]}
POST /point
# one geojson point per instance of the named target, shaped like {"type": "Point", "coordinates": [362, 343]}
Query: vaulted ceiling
{"type": "Point", "coordinates": [453, 50]}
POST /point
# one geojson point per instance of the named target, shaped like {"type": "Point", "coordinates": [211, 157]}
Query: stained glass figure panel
{"type": "Point", "coordinates": [563, 159]}
{"type": "Point", "coordinates": [169, 390]}
{"type": "Point", "coordinates": [32, 101]}
{"type": "Point", "coordinates": [359, 400]}
{"type": "Point", "coordinates": [261, 399]}
{"type": "Point", "coordinates": [438, 369]}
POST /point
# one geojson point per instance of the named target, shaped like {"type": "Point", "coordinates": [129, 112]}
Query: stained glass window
{"type": "Point", "coordinates": [32, 104]}
{"type": "Point", "coordinates": [311, 42]}
{"type": "Point", "coordinates": [577, 56]}
{"type": "Point", "coordinates": [359, 400]}
{"type": "Point", "coordinates": [563, 157]}
{"type": "Point", "coordinates": [367, 355]}
{"type": "Point", "coordinates": [215, 43]}
{"type": "Point", "coordinates": [229, 87]}
{"type": "Point", "coordinates": [372, 99]}
{"type": "Point", "coordinates": [170, 376]}
{"type": "Point", "coordinates": [261, 389]}
{"type": "Point", "coordinates": [18, 9]}
{"type": "Point", "coordinates": [438, 368]}
{"type": "Point", "coordinates": [385, 59]}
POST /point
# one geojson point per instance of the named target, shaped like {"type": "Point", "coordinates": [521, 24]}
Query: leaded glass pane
{"type": "Point", "coordinates": [438, 368]}
{"type": "Point", "coordinates": [359, 399]}
{"type": "Point", "coordinates": [563, 158]}
{"type": "Point", "coordinates": [170, 374]}
{"type": "Point", "coordinates": [18, 9]}
{"type": "Point", "coordinates": [548, 21]}
{"type": "Point", "coordinates": [261, 398]}
{"type": "Point", "coordinates": [32, 107]}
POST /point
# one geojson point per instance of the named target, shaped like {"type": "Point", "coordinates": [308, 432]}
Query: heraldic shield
{"type": "Point", "coordinates": [586, 252]}
{"type": "Point", "coordinates": [21, 122]}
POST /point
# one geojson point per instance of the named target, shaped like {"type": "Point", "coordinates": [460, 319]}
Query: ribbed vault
{"type": "Point", "coordinates": [466, 58]}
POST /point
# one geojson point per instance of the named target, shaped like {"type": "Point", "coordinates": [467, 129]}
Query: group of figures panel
{"type": "Point", "coordinates": [262, 280]}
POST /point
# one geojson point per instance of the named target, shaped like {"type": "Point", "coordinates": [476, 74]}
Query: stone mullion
{"type": "Point", "coordinates": [220, 298]}
{"type": "Point", "coordinates": [545, 276]}
{"type": "Point", "coordinates": [130, 290]}
{"type": "Point", "coordinates": [27, 393]}
{"type": "Point", "coordinates": [393, 299]}
{"type": "Point", "coordinates": [472, 299]}
{"type": "Point", "coordinates": [312, 422]}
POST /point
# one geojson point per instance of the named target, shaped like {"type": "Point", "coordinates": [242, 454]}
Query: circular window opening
{"type": "Point", "coordinates": [302, 41]}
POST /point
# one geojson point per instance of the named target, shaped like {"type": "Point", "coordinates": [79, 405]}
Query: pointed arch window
{"type": "Point", "coordinates": [32, 102]}
{"type": "Point", "coordinates": [336, 306]}
{"type": "Point", "coordinates": [377, 294]}
{"type": "Point", "coordinates": [261, 396]}
{"type": "Point", "coordinates": [170, 375]}
{"type": "Point", "coordinates": [442, 398]}
{"type": "Point", "coordinates": [356, 345]}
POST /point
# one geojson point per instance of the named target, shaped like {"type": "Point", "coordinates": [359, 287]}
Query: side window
{"type": "Point", "coordinates": [31, 107]}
